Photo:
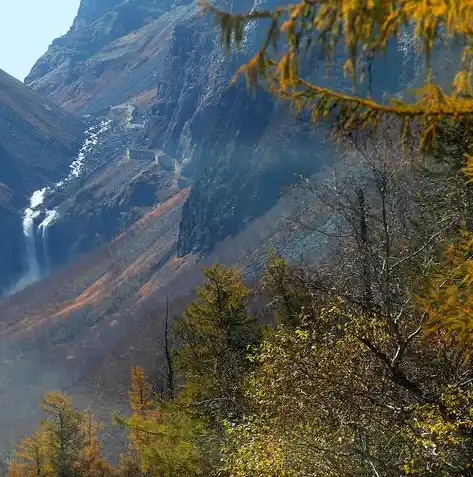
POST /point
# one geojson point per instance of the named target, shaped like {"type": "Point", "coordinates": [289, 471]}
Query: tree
{"type": "Point", "coordinates": [30, 458]}
{"type": "Point", "coordinates": [325, 405]}
{"type": "Point", "coordinates": [65, 445]}
{"type": "Point", "coordinates": [349, 385]}
{"type": "Point", "coordinates": [163, 437]}
{"type": "Point", "coordinates": [285, 286]}
{"type": "Point", "coordinates": [64, 432]}
{"type": "Point", "coordinates": [360, 31]}
{"type": "Point", "coordinates": [215, 333]}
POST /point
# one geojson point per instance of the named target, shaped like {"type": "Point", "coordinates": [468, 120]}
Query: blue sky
{"type": "Point", "coordinates": [27, 28]}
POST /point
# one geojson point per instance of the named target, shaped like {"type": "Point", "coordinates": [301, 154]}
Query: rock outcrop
{"type": "Point", "coordinates": [113, 52]}
{"type": "Point", "coordinates": [241, 149]}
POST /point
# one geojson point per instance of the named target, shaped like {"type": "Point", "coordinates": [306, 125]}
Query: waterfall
{"type": "Point", "coordinates": [43, 227]}
{"type": "Point", "coordinates": [76, 169]}
{"type": "Point", "coordinates": [33, 271]}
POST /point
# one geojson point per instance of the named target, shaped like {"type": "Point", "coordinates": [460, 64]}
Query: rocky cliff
{"type": "Point", "coordinates": [112, 53]}
{"type": "Point", "coordinates": [240, 150]}
{"type": "Point", "coordinates": [163, 60]}
{"type": "Point", "coordinates": [37, 143]}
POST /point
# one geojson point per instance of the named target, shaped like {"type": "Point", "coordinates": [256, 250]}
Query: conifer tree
{"type": "Point", "coordinates": [285, 285]}
{"type": "Point", "coordinates": [65, 436]}
{"type": "Point", "coordinates": [162, 436]}
{"type": "Point", "coordinates": [215, 333]}
{"type": "Point", "coordinates": [30, 458]}
{"type": "Point", "coordinates": [66, 445]}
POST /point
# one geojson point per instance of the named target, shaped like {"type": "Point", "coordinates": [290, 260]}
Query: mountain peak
{"type": "Point", "coordinates": [91, 10]}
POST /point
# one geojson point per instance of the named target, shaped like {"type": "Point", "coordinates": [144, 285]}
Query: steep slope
{"type": "Point", "coordinates": [55, 331]}
{"type": "Point", "coordinates": [112, 53]}
{"type": "Point", "coordinates": [37, 142]}
{"type": "Point", "coordinates": [37, 138]}
{"type": "Point", "coordinates": [240, 150]}
{"type": "Point", "coordinates": [81, 329]}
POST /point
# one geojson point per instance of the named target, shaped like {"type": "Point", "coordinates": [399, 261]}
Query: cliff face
{"type": "Point", "coordinates": [113, 52]}
{"type": "Point", "coordinates": [239, 149]}
{"type": "Point", "coordinates": [37, 142]}
{"type": "Point", "coordinates": [37, 138]}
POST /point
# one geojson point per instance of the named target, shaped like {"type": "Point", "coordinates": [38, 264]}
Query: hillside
{"type": "Point", "coordinates": [37, 143]}
{"type": "Point", "coordinates": [338, 342]}
{"type": "Point", "coordinates": [81, 329]}
{"type": "Point", "coordinates": [113, 52]}
{"type": "Point", "coordinates": [187, 170]}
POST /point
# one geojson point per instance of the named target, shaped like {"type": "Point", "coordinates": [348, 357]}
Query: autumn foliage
{"type": "Point", "coordinates": [358, 363]}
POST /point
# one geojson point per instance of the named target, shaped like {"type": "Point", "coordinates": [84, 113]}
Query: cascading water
{"type": "Point", "coordinates": [34, 271]}
{"type": "Point", "coordinates": [43, 227]}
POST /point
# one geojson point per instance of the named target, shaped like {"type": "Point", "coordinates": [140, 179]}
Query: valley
{"type": "Point", "coordinates": [162, 175]}
{"type": "Point", "coordinates": [130, 161]}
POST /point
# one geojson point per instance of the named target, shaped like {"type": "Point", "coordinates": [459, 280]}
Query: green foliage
{"type": "Point", "coordinates": [215, 333]}
{"type": "Point", "coordinates": [65, 446]}
{"type": "Point", "coordinates": [286, 286]}
{"type": "Point", "coordinates": [361, 30]}
{"type": "Point", "coordinates": [324, 406]}
{"type": "Point", "coordinates": [167, 444]}
{"type": "Point", "coordinates": [163, 435]}
{"type": "Point", "coordinates": [326, 393]}
{"type": "Point", "coordinates": [368, 371]}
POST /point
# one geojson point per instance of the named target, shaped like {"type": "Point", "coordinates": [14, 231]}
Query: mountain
{"type": "Point", "coordinates": [112, 53]}
{"type": "Point", "coordinates": [165, 61]}
{"type": "Point", "coordinates": [178, 169]}
{"type": "Point", "coordinates": [37, 143]}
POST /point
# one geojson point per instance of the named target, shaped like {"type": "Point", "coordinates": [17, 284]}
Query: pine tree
{"type": "Point", "coordinates": [66, 445]}
{"type": "Point", "coordinates": [162, 436]}
{"type": "Point", "coordinates": [30, 458]}
{"type": "Point", "coordinates": [215, 333]}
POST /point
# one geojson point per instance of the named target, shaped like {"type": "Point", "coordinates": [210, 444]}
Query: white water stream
{"type": "Point", "coordinates": [36, 267]}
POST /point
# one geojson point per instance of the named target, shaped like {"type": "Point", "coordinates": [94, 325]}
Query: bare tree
{"type": "Point", "coordinates": [386, 220]}
{"type": "Point", "coordinates": [167, 351]}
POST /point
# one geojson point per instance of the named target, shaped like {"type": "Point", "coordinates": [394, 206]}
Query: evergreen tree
{"type": "Point", "coordinates": [30, 459]}
{"type": "Point", "coordinates": [65, 446]}
{"type": "Point", "coordinates": [163, 436]}
{"type": "Point", "coordinates": [215, 332]}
